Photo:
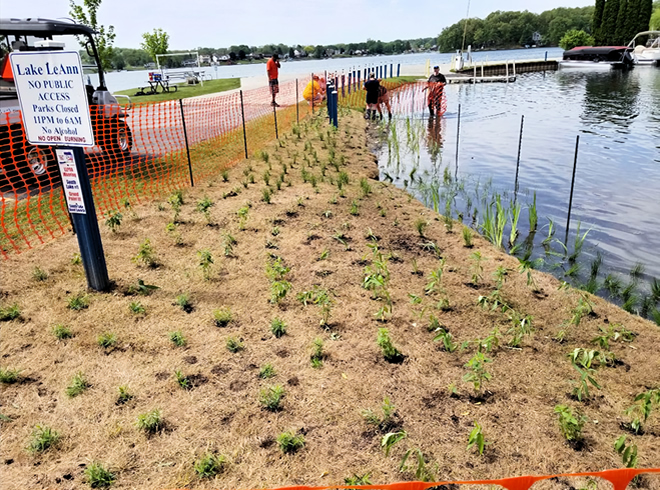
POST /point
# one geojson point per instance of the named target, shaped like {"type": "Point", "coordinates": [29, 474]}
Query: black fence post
{"type": "Point", "coordinates": [277, 136]}
{"type": "Point", "coordinates": [522, 122]}
{"type": "Point", "coordinates": [570, 200]}
{"type": "Point", "coordinates": [243, 118]}
{"type": "Point", "coordinates": [458, 137]}
{"type": "Point", "coordinates": [185, 135]}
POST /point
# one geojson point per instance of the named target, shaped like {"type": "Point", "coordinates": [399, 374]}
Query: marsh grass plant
{"type": "Point", "coordinates": [42, 439]}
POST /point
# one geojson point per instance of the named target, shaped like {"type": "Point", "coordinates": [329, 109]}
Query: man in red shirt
{"type": "Point", "coordinates": [272, 69]}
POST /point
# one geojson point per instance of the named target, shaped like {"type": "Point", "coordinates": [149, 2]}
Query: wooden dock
{"type": "Point", "coordinates": [502, 71]}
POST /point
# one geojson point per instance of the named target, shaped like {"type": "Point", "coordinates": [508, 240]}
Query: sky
{"type": "Point", "coordinates": [218, 24]}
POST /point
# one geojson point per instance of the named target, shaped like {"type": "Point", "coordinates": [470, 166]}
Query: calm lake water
{"type": "Point", "coordinates": [617, 116]}
{"type": "Point", "coordinates": [126, 80]}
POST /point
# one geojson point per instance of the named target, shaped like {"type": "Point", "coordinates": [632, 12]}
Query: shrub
{"type": "Point", "coordinates": [277, 327]}
{"type": "Point", "coordinates": [271, 397]}
{"type": "Point", "coordinates": [289, 442]}
{"type": "Point", "coordinates": [222, 316]}
{"type": "Point", "coordinates": [574, 38]}
{"type": "Point", "coordinates": [78, 385]}
{"type": "Point", "coordinates": [150, 422]}
{"type": "Point", "coordinates": [43, 438]}
{"type": "Point", "coordinates": [98, 476]}
{"type": "Point", "coordinates": [570, 422]}
{"type": "Point", "coordinates": [209, 465]}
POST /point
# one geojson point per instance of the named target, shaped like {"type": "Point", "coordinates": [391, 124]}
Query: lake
{"type": "Point", "coordinates": [616, 197]}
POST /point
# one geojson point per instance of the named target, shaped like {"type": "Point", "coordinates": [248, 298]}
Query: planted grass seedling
{"type": "Point", "coordinates": [446, 338]}
{"type": "Point", "coordinates": [290, 443]}
{"type": "Point", "coordinates": [235, 345]}
{"type": "Point", "coordinates": [209, 465]}
{"type": "Point", "coordinates": [78, 385]}
{"type": "Point", "coordinates": [42, 439]}
{"type": "Point", "coordinates": [182, 380]}
{"type": "Point", "coordinates": [204, 206]}
{"type": "Point", "coordinates": [141, 288]}
{"type": "Point", "coordinates": [98, 476]}
{"type": "Point", "coordinates": [184, 302]}
{"type": "Point", "coordinates": [581, 386]}
{"type": "Point", "coordinates": [317, 355]}
{"type": "Point", "coordinates": [467, 237]}
{"type": "Point", "coordinates": [171, 229]}
{"type": "Point", "coordinates": [9, 376]}
{"type": "Point", "coordinates": [77, 302]}
{"type": "Point", "coordinates": [270, 398]}
{"type": "Point", "coordinates": [177, 338]}
{"type": "Point", "coordinates": [278, 327]}
{"type": "Point", "coordinates": [176, 201]}
{"type": "Point", "coordinates": [8, 313]}
{"type": "Point", "coordinates": [420, 225]}
{"type": "Point", "coordinates": [136, 308]}
{"type": "Point", "coordinates": [388, 441]}
{"type": "Point", "coordinates": [62, 332]}
{"type": "Point", "coordinates": [150, 422]}
{"type": "Point", "coordinates": [384, 423]}
{"type": "Point", "coordinates": [477, 269]}
{"type": "Point", "coordinates": [267, 371]}
{"type": "Point", "coordinates": [38, 274]}
{"type": "Point", "coordinates": [422, 471]}
{"type": "Point", "coordinates": [124, 395]}
{"type": "Point", "coordinates": [106, 340]}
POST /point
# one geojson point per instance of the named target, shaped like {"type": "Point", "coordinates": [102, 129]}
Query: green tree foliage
{"type": "Point", "coordinates": [155, 42]}
{"type": "Point", "coordinates": [87, 14]}
{"type": "Point", "coordinates": [508, 29]}
{"type": "Point", "coordinates": [575, 38]}
{"type": "Point", "coordinates": [608, 28]}
{"type": "Point", "coordinates": [645, 13]}
{"type": "Point", "coordinates": [597, 21]}
{"type": "Point", "coordinates": [621, 29]}
{"type": "Point", "coordinates": [655, 19]}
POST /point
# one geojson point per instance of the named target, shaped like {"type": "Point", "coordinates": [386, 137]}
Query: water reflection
{"type": "Point", "coordinates": [611, 97]}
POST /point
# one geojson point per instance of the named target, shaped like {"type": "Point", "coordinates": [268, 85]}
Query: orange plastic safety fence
{"type": "Point", "coordinates": [619, 478]}
{"type": "Point", "coordinates": [140, 155]}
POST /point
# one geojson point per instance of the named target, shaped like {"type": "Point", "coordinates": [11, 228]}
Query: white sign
{"type": "Point", "coordinates": [70, 181]}
{"type": "Point", "coordinates": [51, 91]}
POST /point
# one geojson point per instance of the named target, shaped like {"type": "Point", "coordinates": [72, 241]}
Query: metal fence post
{"type": "Point", "coordinates": [243, 118]}
{"type": "Point", "coordinates": [570, 201]}
{"type": "Point", "coordinates": [297, 104]}
{"type": "Point", "coordinates": [277, 136]}
{"type": "Point", "coordinates": [522, 122]}
{"type": "Point", "coordinates": [458, 137]}
{"type": "Point", "coordinates": [185, 135]}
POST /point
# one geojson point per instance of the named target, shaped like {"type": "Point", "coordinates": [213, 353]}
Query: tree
{"type": "Point", "coordinates": [608, 28]}
{"type": "Point", "coordinates": [655, 20]}
{"type": "Point", "coordinates": [575, 38]}
{"type": "Point", "coordinates": [104, 38]}
{"type": "Point", "coordinates": [597, 21]}
{"type": "Point", "coordinates": [620, 34]}
{"type": "Point", "coordinates": [645, 12]}
{"type": "Point", "coordinates": [156, 42]}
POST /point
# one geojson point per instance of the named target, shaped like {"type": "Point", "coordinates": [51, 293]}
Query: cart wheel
{"type": "Point", "coordinates": [120, 141]}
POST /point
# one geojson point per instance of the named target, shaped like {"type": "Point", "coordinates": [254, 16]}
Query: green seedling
{"type": "Point", "coordinates": [229, 243]}
{"type": "Point", "coordinates": [9, 376]}
{"type": "Point", "coordinates": [446, 338]}
{"type": "Point", "coordinates": [477, 268]}
{"type": "Point", "coordinates": [421, 225]}
{"type": "Point", "coordinates": [171, 229]}
{"type": "Point", "coordinates": [355, 209]}
{"type": "Point", "coordinates": [267, 371]}
{"type": "Point", "coordinates": [62, 332]}
{"type": "Point", "coordinates": [209, 465]}
{"type": "Point", "coordinates": [279, 290]}
{"type": "Point", "coordinates": [205, 262]}
{"type": "Point", "coordinates": [150, 422]}
{"type": "Point", "coordinates": [570, 422]}
{"type": "Point", "coordinates": [38, 274]}
{"type": "Point", "coordinates": [390, 353]}
{"type": "Point", "coordinates": [8, 313]}
{"type": "Point", "coordinates": [78, 302]}
{"type": "Point", "coordinates": [422, 471]}
{"type": "Point", "coordinates": [435, 282]}
{"type": "Point", "coordinates": [384, 422]}
{"type": "Point", "coordinates": [581, 386]}
{"type": "Point", "coordinates": [43, 438]}
{"type": "Point", "coordinates": [640, 412]}
{"type": "Point", "coordinates": [478, 374]}
{"type": "Point", "coordinates": [222, 316]}
{"type": "Point", "coordinates": [277, 327]}
{"type": "Point", "coordinates": [390, 439]}
{"type": "Point", "coordinates": [78, 385]}
{"type": "Point", "coordinates": [124, 395]}
{"type": "Point", "coordinates": [235, 345]}
{"type": "Point", "coordinates": [476, 438]}
{"type": "Point", "coordinates": [98, 476]}
{"type": "Point", "coordinates": [183, 301]}
{"type": "Point", "coordinates": [225, 175]}
{"type": "Point", "coordinates": [182, 380]}
{"type": "Point", "coordinates": [204, 206]}
{"type": "Point", "coordinates": [176, 201]}
{"type": "Point", "coordinates": [146, 255]}
{"type": "Point", "coordinates": [520, 328]}
{"type": "Point", "coordinates": [136, 308]}
{"type": "Point", "coordinates": [358, 480]}
{"type": "Point", "coordinates": [142, 288]}
{"type": "Point", "coordinates": [317, 355]}
{"type": "Point", "coordinates": [290, 443]}
{"type": "Point", "coordinates": [177, 338]}
{"type": "Point", "coordinates": [271, 397]}
{"type": "Point", "coordinates": [266, 195]}
{"type": "Point", "coordinates": [628, 452]}
{"type": "Point", "coordinates": [106, 340]}
{"type": "Point", "coordinates": [114, 221]}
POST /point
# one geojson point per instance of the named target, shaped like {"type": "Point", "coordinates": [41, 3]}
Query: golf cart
{"type": "Point", "coordinates": [22, 164]}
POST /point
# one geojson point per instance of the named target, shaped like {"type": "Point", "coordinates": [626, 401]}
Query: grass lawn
{"type": "Point", "coordinates": [184, 90]}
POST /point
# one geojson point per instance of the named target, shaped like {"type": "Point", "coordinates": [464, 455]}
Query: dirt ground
{"type": "Point", "coordinates": [323, 234]}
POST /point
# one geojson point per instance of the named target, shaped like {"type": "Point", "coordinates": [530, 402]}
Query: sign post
{"type": "Point", "coordinates": [55, 110]}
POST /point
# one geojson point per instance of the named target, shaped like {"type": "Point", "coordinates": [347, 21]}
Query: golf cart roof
{"type": "Point", "coordinates": [42, 27]}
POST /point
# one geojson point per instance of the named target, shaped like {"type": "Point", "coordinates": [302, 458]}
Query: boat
{"type": "Point", "coordinates": [649, 53]}
{"type": "Point", "coordinates": [606, 57]}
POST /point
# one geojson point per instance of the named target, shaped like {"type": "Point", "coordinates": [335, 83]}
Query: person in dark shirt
{"type": "Point", "coordinates": [372, 86]}
{"type": "Point", "coordinates": [436, 87]}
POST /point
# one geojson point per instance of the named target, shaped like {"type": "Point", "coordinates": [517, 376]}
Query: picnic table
{"type": "Point", "coordinates": [153, 87]}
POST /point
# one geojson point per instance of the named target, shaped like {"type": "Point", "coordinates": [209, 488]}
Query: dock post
{"type": "Point", "coordinates": [398, 69]}
{"type": "Point", "coordinates": [506, 70]}
{"type": "Point", "coordinates": [482, 69]}
{"type": "Point", "coordinates": [546, 56]}
{"type": "Point", "coordinates": [514, 68]}
{"type": "Point", "coordinates": [391, 68]}
{"type": "Point", "coordinates": [474, 78]}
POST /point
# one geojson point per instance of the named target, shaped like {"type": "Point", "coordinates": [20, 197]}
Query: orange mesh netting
{"type": "Point", "coordinates": [140, 154]}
